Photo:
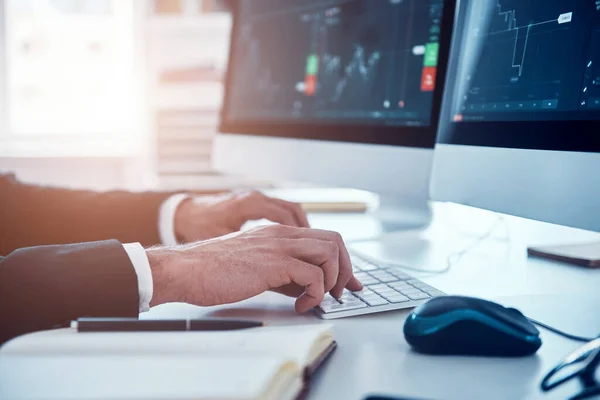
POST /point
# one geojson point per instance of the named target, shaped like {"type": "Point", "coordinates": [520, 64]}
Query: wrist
{"type": "Point", "coordinates": [163, 278]}
{"type": "Point", "coordinates": [181, 220]}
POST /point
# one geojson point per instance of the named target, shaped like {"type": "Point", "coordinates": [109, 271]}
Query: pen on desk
{"type": "Point", "coordinates": [165, 325]}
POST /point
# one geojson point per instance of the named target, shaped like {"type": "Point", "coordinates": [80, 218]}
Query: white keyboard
{"type": "Point", "coordinates": [386, 288]}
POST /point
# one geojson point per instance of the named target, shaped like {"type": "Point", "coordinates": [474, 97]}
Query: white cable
{"type": "Point", "coordinates": [451, 261]}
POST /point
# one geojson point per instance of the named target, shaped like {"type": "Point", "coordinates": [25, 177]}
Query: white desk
{"type": "Point", "coordinates": [373, 356]}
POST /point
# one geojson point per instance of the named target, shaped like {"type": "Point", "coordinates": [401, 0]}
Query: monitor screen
{"type": "Point", "coordinates": [525, 74]}
{"type": "Point", "coordinates": [352, 62]}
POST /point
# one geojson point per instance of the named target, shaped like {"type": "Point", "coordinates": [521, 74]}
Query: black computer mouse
{"type": "Point", "coordinates": [455, 325]}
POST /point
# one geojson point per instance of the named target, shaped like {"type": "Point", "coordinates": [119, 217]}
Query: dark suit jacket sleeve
{"type": "Point", "coordinates": [48, 286]}
{"type": "Point", "coordinates": [33, 215]}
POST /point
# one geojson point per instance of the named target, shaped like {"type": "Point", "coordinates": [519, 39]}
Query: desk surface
{"type": "Point", "coordinates": [373, 356]}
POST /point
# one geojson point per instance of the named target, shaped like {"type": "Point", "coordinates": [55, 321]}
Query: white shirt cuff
{"type": "Point", "coordinates": [140, 263]}
{"type": "Point", "coordinates": [166, 219]}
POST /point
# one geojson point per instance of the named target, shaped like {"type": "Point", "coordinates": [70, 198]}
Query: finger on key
{"type": "Point", "coordinates": [311, 277]}
{"type": "Point", "coordinates": [321, 253]}
{"type": "Point", "coordinates": [345, 277]}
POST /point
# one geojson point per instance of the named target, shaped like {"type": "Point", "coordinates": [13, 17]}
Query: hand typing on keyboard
{"type": "Point", "coordinates": [386, 288]}
{"type": "Point", "coordinates": [298, 262]}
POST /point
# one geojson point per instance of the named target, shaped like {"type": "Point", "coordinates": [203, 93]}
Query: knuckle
{"type": "Point", "coordinates": [277, 230]}
{"type": "Point", "coordinates": [247, 196]}
{"type": "Point", "coordinates": [318, 274]}
{"type": "Point", "coordinates": [333, 249]}
{"type": "Point", "coordinates": [337, 237]}
{"type": "Point", "coordinates": [239, 194]}
{"type": "Point", "coordinates": [255, 195]}
{"type": "Point", "coordinates": [282, 230]}
{"type": "Point", "coordinates": [298, 208]}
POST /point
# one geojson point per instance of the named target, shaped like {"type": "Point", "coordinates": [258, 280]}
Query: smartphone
{"type": "Point", "coordinates": [585, 255]}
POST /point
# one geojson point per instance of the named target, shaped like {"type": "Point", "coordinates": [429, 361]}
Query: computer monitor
{"type": "Point", "coordinates": [344, 93]}
{"type": "Point", "coordinates": [520, 126]}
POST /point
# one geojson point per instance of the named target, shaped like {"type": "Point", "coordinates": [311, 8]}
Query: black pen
{"type": "Point", "coordinates": [161, 325]}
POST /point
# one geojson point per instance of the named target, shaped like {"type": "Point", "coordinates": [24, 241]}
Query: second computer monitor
{"type": "Point", "coordinates": [520, 128]}
{"type": "Point", "coordinates": [344, 93]}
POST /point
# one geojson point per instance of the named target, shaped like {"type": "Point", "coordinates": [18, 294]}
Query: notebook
{"type": "Point", "coordinates": [255, 364]}
{"type": "Point", "coordinates": [334, 207]}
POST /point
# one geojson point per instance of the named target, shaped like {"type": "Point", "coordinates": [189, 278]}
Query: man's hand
{"type": "Point", "coordinates": [208, 217]}
{"type": "Point", "coordinates": [297, 262]}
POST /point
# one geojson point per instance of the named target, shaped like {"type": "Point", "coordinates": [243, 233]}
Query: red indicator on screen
{"type": "Point", "coordinates": [428, 79]}
{"type": "Point", "coordinates": [310, 85]}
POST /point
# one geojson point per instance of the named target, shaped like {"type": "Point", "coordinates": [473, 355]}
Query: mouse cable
{"type": "Point", "coordinates": [559, 332]}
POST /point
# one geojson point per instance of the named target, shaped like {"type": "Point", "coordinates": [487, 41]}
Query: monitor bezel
{"type": "Point", "coordinates": [392, 135]}
{"type": "Point", "coordinates": [553, 135]}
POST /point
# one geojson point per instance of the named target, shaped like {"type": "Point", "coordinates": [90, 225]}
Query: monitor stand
{"type": "Point", "coordinates": [392, 215]}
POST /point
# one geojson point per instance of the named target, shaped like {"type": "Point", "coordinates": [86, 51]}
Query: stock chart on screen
{"type": "Point", "coordinates": [356, 60]}
{"type": "Point", "coordinates": [528, 60]}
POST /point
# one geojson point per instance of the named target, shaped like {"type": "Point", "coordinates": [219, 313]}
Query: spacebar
{"type": "Point", "coordinates": [342, 307]}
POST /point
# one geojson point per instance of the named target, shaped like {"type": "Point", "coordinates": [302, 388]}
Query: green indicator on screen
{"type": "Point", "coordinates": [312, 65]}
{"type": "Point", "coordinates": [431, 54]}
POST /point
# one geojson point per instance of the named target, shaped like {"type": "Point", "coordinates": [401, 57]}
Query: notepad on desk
{"type": "Point", "coordinates": [255, 364]}
{"type": "Point", "coordinates": [334, 207]}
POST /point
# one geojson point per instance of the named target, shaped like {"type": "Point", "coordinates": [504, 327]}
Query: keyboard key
{"type": "Point", "coordinates": [369, 281]}
{"type": "Point", "coordinates": [379, 272]}
{"type": "Point", "coordinates": [352, 303]}
{"type": "Point", "coordinates": [435, 293]}
{"type": "Point", "coordinates": [329, 300]}
{"type": "Point", "coordinates": [380, 286]}
{"type": "Point", "coordinates": [342, 307]}
{"type": "Point", "coordinates": [364, 266]}
{"type": "Point", "coordinates": [384, 290]}
{"type": "Point", "coordinates": [410, 290]}
{"type": "Point", "coordinates": [400, 275]}
{"type": "Point", "coordinates": [400, 286]}
{"type": "Point", "coordinates": [423, 288]}
{"type": "Point", "coordinates": [396, 298]}
{"type": "Point", "coordinates": [418, 296]}
{"type": "Point", "coordinates": [348, 295]}
{"type": "Point", "coordinates": [376, 301]}
{"type": "Point", "coordinates": [365, 292]}
{"type": "Point", "coordinates": [388, 278]}
{"type": "Point", "coordinates": [372, 294]}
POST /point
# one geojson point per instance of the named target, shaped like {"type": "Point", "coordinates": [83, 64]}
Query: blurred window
{"type": "Point", "coordinates": [70, 68]}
